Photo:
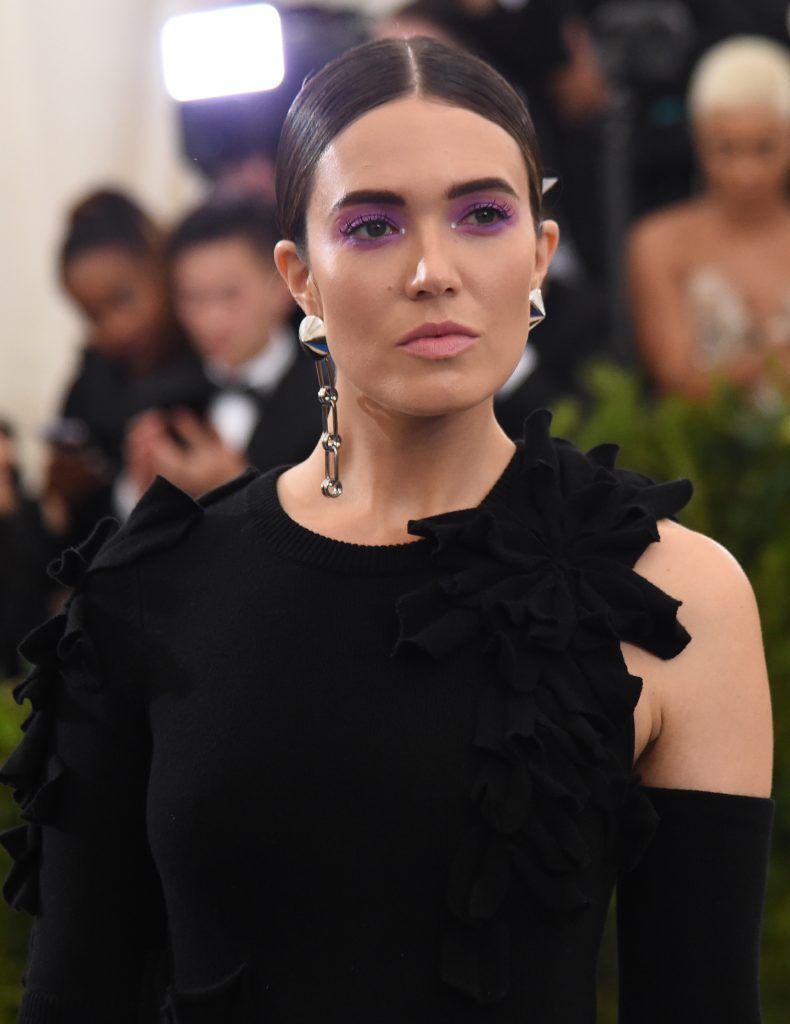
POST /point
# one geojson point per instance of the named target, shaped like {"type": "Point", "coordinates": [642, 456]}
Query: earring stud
{"type": "Point", "coordinates": [537, 308]}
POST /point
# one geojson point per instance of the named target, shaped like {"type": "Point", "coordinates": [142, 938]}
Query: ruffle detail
{"type": "Point", "coordinates": [61, 648]}
{"type": "Point", "coordinates": [543, 585]}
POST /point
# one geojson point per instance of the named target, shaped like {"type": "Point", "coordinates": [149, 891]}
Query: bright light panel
{"type": "Point", "coordinates": [222, 53]}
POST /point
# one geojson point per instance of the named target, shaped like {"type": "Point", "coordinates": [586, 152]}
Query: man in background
{"type": "Point", "coordinates": [261, 408]}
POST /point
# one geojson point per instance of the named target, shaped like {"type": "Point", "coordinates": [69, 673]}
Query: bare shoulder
{"type": "Point", "coordinates": [712, 701]}
{"type": "Point", "coordinates": [665, 229]}
{"type": "Point", "coordinates": [698, 571]}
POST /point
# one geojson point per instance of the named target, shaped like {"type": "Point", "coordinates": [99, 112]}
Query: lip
{"type": "Point", "coordinates": [438, 340]}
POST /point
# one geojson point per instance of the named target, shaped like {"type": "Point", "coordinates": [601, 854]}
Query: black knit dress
{"type": "Point", "coordinates": [325, 782]}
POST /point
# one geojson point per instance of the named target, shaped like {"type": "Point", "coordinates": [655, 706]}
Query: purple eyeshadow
{"type": "Point", "coordinates": [347, 227]}
{"type": "Point", "coordinates": [504, 210]}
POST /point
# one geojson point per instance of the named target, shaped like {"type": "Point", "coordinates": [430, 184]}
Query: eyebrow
{"type": "Point", "coordinates": [384, 197]}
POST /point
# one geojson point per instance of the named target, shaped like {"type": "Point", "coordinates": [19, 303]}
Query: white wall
{"type": "Point", "coordinates": [81, 104]}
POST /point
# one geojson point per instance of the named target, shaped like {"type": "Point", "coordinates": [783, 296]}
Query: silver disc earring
{"type": "Point", "coordinates": [312, 338]}
{"type": "Point", "coordinates": [537, 308]}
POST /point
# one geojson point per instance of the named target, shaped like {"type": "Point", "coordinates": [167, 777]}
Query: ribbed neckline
{"type": "Point", "coordinates": [294, 541]}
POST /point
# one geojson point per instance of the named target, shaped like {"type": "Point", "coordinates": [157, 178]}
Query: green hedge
{"type": "Point", "coordinates": [13, 927]}
{"type": "Point", "coordinates": [739, 460]}
{"type": "Point", "coordinates": [738, 457]}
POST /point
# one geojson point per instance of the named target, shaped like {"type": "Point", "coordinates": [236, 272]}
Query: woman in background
{"type": "Point", "coordinates": [710, 277]}
{"type": "Point", "coordinates": [113, 268]}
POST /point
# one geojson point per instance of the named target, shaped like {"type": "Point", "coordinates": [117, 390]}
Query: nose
{"type": "Point", "coordinates": [434, 270]}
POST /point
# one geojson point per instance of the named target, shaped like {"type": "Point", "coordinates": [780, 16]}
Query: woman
{"type": "Point", "coordinates": [112, 267]}
{"type": "Point", "coordinates": [351, 769]}
{"type": "Point", "coordinates": [709, 277]}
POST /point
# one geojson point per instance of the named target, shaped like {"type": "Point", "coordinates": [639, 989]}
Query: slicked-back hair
{"type": "Point", "coordinates": [376, 73]}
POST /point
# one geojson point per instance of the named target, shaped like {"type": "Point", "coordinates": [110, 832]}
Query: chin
{"type": "Point", "coordinates": [434, 399]}
{"type": "Point", "coordinates": [436, 389]}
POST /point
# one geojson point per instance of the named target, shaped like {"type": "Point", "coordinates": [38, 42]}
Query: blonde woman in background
{"type": "Point", "coordinates": [710, 277]}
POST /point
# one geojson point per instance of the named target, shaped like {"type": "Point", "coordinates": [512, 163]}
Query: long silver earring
{"type": "Point", "coordinates": [537, 308]}
{"type": "Point", "coordinates": [312, 337]}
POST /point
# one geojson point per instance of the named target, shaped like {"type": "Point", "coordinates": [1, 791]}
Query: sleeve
{"type": "Point", "coordinates": [689, 914]}
{"type": "Point", "coordinates": [82, 863]}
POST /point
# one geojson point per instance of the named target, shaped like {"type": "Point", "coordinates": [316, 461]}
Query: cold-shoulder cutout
{"type": "Point", "coordinates": [714, 703]}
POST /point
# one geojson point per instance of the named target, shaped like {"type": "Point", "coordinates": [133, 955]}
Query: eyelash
{"type": "Point", "coordinates": [350, 228]}
{"type": "Point", "coordinates": [505, 212]}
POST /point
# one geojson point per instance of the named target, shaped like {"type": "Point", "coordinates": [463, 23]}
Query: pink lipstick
{"type": "Point", "coordinates": [438, 340]}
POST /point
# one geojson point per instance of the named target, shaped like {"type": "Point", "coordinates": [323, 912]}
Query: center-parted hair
{"type": "Point", "coordinates": [376, 73]}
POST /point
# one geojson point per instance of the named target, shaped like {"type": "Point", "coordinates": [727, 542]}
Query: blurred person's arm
{"type": "Point", "coordinates": [660, 311]}
{"type": "Point", "coordinates": [9, 496]}
{"type": "Point", "coordinates": [72, 475]}
{"type": "Point", "coordinates": [579, 88]}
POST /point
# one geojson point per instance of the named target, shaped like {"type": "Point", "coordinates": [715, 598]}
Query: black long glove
{"type": "Point", "coordinates": [690, 913]}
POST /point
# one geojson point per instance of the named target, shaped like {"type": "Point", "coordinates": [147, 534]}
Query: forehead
{"type": "Point", "coordinates": [103, 267]}
{"type": "Point", "coordinates": [227, 256]}
{"type": "Point", "coordinates": [417, 147]}
{"type": "Point", "coordinates": [745, 121]}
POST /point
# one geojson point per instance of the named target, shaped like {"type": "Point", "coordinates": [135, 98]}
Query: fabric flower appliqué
{"type": "Point", "coordinates": [543, 583]}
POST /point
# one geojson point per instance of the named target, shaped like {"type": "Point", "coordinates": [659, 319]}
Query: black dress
{"type": "Point", "coordinates": [368, 784]}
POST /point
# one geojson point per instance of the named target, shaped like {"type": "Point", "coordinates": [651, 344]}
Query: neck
{"type": "Point", "coordinates": [396, 467]}
{"type": "Point", "coordinates": [751, 217]}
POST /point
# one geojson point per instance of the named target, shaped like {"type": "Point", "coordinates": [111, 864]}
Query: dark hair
{"type": "Point", "coordinates": [108, 219]}
{"type": "Point", "coordinates": [375, 73]}
{"type": "Point", "coordinates": [246, 217]}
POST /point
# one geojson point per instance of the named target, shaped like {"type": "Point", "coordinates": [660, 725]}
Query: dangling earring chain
{"type": "Point", "coordinates": [312, 336]}
{"type": "Point", "coordinates": [330, 438]}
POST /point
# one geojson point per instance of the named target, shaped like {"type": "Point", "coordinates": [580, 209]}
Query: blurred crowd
{"type": "Point", "coordinates": [667, 126]}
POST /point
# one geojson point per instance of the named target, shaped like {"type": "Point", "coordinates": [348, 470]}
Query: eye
{"type": "Point", "coordinates": [370, 227]}
{"type": "Point", "coordinates": [486, 214]}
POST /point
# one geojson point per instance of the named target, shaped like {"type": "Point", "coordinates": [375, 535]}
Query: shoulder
{"type": "Point", "coordinates": [666, 233]}
{"type": "Point", "coordinates": [713, 700]}
{"type": "Point", "coordinates": [669, 222]}
{"type": "Point", "coordinates": [89, 373]}
{"type": "Point", "coordinates": [708, 574]}
{"type": "Point", "coordinates": [167, 517]}
{"type": "Point", "coordinates": [105, 567]}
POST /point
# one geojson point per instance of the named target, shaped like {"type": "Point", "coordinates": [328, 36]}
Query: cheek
{"type": "Point", "coordinates": [503, 286]}
{"type": "Point", "coordinates": [356, 298]}
{"type": "Point", "coordinates": [149, 308]}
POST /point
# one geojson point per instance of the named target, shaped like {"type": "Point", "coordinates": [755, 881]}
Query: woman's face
{"type": "Point", "coordinates": [745, 154]}
{"type": "Point", "coordinates": [123, 296]}
{"type": "Point", "coordinates": [419, 223]}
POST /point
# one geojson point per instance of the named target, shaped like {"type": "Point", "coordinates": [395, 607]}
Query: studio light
{"type": "Point", "coordinates": [226, 52]}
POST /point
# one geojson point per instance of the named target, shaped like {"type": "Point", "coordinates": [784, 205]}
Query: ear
{"type": "Point", "coordinates": [298, 279]}
{"type": "Point", "coordinates": [545, 247]}
{"type": "Point", "coordinates": [279, 298]}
